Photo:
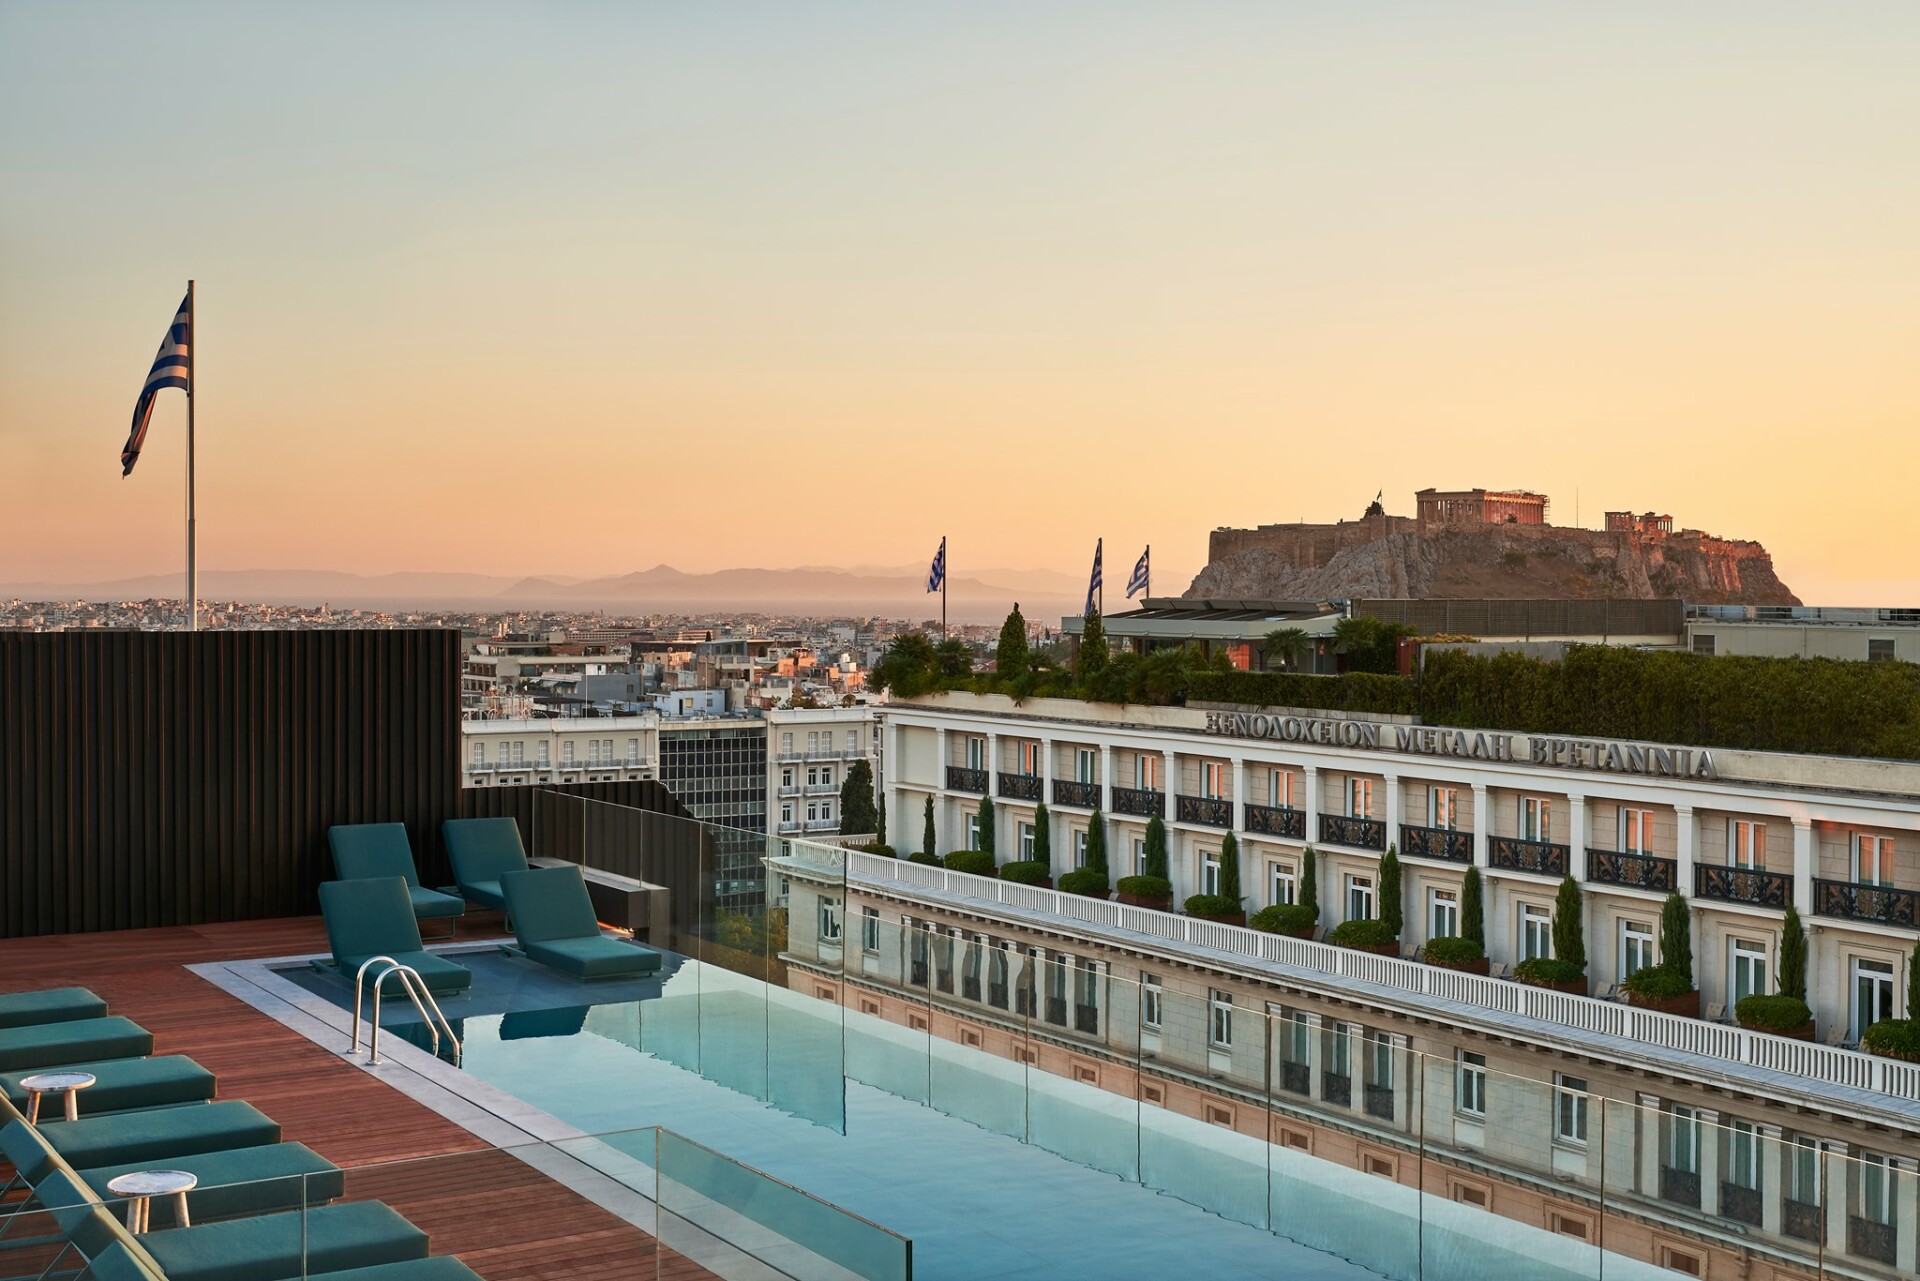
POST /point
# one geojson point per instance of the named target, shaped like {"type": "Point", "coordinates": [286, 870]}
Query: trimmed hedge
{"type": "Point", "coordinates": [1146, 886]}
{"type": "Point", "coordinates": [878, 847]}
{"type": "Point", "coordinates": [1364, 932]}
{"type": "Point", "coordinates": [1773, 1013]}
{"type": "Point", "coordinates": [1353, 692]}
{"type": "Point", "coordinates": [1549, 969]}
{"type": "Point", "coordinates": [922, 857]}
{"type": "Point", "coordinates": [1821, 706]}
{"type": "Point", "coordinates": [1024, 872]}
{"type": "Point", "coordinates": [1211, 905]}
{"type": "Point", "coordinates": [1659, 982]}
{"type": "Point", "coordinates": [1895, 1038]}
{"type": "Point", "coordinates": [1284, 918]}
{"type": "Point", "coordinates": [1090, 882]}
{"type": "Point", "coordinates": [976, 862]}
{"type": "Point", "coordinates": [1452, 951]}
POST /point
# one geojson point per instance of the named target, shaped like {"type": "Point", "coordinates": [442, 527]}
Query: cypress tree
{"type": "Point", "coordinates": [1569, 929]}
{"type": "Point", "coordinates": [1090, 660]}
{"type": "Point", "coordinates": [1230, 868]}
{"type": "Point", "coordinates": [1043, 836]}
{"type": "Point", "coordinates": [1154, 861]}
{"type": "Point", "coordinates": [1793, 956]}
{"type": "Point", "coordinates": [1011, 658]}
{"type": "Point", "coordinates": [1391, 914]}
{"type": "Point", "coordinates": [986, 824]}
{"type": "Point", "coordinates": [1309, 883]}
{"type": "Point", "coordinates": [927, 835]}
{"type": "Point", "coordinates": [880, 817]}
{"type": "Point", "coordinates": [1913, 983]}
{"type": "Point", "coordinates": [857, 813]}
{"type": "Point", "coordinates": [1473, 911]}
{"type": "Point", "coordinates": [1676, 937]}
{"type": "Point", "coordinates": [1097, 843]}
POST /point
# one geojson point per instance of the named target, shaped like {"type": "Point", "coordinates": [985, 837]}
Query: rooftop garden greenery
{"type": "Point", "coordinates": [1816, 706]}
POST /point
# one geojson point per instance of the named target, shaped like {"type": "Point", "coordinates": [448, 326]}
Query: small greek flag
{"type": "Point", "coordinates": [937, 573]}
{"type": "Point", "coordinates": [1140, 578]}
{"type": "Point", "coordinates": [1093, 583]}
{"type": "Point", "coordinates": [171, 368]}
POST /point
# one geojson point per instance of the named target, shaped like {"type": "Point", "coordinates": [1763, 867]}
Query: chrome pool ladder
{"type": "Point", "coordinates": [416, 989]}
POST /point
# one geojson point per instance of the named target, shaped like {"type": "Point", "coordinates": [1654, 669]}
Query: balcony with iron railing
{"type": "Point", "coordinates": [1086, 1018]}
{"type": "Point", "coordinates": [1379, 1100]}
{"type": "Point", "coordinates": [1518, 854]}
{"type": "Point", "coordinates": [1741, 1204]}
{"type": "Point", "coordinates": [1296, 1078]}
{"type": "Point", "coordinates": [1803, 1220]}
{"type": "Point", "coordinates": [1139, 802]}
{"type": "Point", "coordinates": [1337, 1089]}
{"type": "Point", "coordinates": [1743, 885]}
{"type": "Point", "coordinates": [1277, 820]}
{"type": "Point", "coordinates": [1882, 904]}
{"type": "Point", "coordinates": [1360, 833]}
{"type": "Point", "coordinates": [1681, 1187]}
{"type": "Point", "coordinates": [1207, 811]}
{"type": "Point", "coordinates": [1020, 787]}
{"type": "Point", "coordinates": [1080, 795]}
{"type": "Point", "coordinates": [1871, 1239]}
{"type": "Point", "coordinates": [1445, 844]}
{"type": "Point", "coordinates": [962, 779]}
{"type": "Point", "coordinates": [1634, 871]}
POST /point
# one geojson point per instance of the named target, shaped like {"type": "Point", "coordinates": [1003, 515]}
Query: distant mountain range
{"type": "Point", "coordinates": [897, 591]}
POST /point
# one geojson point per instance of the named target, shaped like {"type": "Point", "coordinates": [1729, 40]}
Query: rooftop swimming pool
{"type": "Point", "coordinates": [993, 1167]}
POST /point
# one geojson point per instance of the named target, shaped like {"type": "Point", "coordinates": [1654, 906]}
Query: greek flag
{"type": "Point", "coordinates": [1093, 583]}
{"type": "Point", "coordinates": [171, 368]}
{"type": "Point", "coordinates": [937, 574]}
{"type": "Point", "coordinates": [1138, 582]}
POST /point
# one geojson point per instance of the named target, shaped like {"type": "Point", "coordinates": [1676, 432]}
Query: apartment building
{"type": "Point", "coordinates": [534, 750]}
{"type": "Point", "coordinates": [809, 752]}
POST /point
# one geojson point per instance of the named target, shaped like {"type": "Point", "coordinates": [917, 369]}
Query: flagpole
{"type": "Point", "coordinates": [944, 575]}
{"type": "Point", "coordinates": [1099, 546]}
{"type": "Point", "coordinates": [193, 570]}
{"type": "Point", "coordinates": [1147, 591]}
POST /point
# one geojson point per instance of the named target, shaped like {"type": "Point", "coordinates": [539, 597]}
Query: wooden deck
{"type": "Point", "coordinates": [503, 1218]}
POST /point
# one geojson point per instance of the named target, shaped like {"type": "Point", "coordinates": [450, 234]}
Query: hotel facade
{"type": "Point", "coordinates": [1726, 1152]}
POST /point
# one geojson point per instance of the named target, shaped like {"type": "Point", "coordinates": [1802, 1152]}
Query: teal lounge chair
{"type": "Point", "coordinates": [481, 851]}
{"type": "Point", "coordinates": [256, 1180]}
{"type": "Point", "coordinates": [365, 850]}
{"type": "Point", "coordinates": [55, 1005]}
{"type": "Point", "coordinates": [373, 918]}
{"type": "Point", "coordinates": [554, 921]}
{"type": "Point", "coordinates": [155, 1135]}
{"type": "Point", "coordinates": [51, 1045]}
{"type": "Point", "coordinates": [293, 1243]}
{"type": "Point", "coordinates": [122, 1084]}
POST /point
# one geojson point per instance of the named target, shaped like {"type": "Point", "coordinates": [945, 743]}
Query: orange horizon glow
{"type": "Point", "coordinates": [583, 290]}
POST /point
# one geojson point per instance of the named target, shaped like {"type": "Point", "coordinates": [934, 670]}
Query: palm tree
{"type": "Point", "coordinates": [1288, 644]}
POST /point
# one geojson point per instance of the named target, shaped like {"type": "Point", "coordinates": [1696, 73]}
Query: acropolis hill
{"type": "Point", "coordinates": [1486, 544]}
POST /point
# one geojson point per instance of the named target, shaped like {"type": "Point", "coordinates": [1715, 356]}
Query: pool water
{"type": "Point", "coordinates": [993, 1169]}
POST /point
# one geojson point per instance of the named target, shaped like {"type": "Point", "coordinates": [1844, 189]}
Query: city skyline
{"type": "Point", "coordinates": [689, 287]}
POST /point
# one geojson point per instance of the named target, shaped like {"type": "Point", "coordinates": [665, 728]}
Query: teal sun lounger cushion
{"type": "Point", "coordinates": [373, 918]}
{"type": "Point", "coordinates": [51, 1045]}
{"type": "Point", "coordinates": [54, 1005]}
{"type": "Point", "coordinates": [554, 921]}
{"type": "Point", "coordinates": [365, 850]}
{"type": "Point", "coordinates": [482, 850]}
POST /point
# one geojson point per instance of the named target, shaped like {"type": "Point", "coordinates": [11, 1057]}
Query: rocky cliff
{"type": "Point", "coordinates": [1395, 558]}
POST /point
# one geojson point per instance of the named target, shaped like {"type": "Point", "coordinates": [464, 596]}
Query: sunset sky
{"type": "Point", "coordinates": [581, 288]}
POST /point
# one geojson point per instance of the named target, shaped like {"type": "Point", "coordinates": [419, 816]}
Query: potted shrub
{"type": "Point", "coordinates": [1042, 835]}
{"type": "Point", "coordinates": [1153, 860]}
{"type": "Point", "coordinates": [1781, 1015]}
{"type": "Point", "coordinates": [1366, 934]}
{"type": "Point", "coordinates": [1027, 872]}
{"type": "Point", "coordinates": [1894, 1038]}
{"type": "Point", "coordinates": [1566, 969]}
{"type": "Point", "coordinates": [1460, 953]}
{"type": "Point", "coordinates": [1309, 883]}
{"type": "Point", "coordinates": [1228, 906]}
{"type": "Point", "coordinates": [1216, 907]}
{"type": "Point", "coordinates": [1668, 986]}
{"type": "Point", "coordinates": [927, 841]}
{"type": "Point", "coordinates": [1294, 919]}
{"type": "Point", "coordinates": [1091, 880]}
{"type": "Point", "coordinates": [1473, 911]}
{"type": "Point", "coordinates": [986, 826]}
{"type": "Point", "coordinates": [1147, 891]}
{"type": "Point", "coordinates": [972, 862]}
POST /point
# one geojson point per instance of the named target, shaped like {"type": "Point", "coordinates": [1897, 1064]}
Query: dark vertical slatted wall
{"type": "Point", "coordinates": [169, 778]}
